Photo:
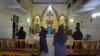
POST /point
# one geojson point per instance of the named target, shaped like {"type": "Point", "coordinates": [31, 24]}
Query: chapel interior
{"type": "Point", "coordinates": [32, 14]}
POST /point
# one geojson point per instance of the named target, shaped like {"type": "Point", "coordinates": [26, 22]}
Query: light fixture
{"type": "Point", "coordinates": [95, 15]}
{"type": "Point", "coordinates": [49, 8]}
{"type": "Point", "coordinates": [62, 17]}
{"type": "Point", "coordinates": [37, 17]}
{"type": "Point", "coordinates": [28, 20]}
{"type": "Point", "coordinates": [71, 20]}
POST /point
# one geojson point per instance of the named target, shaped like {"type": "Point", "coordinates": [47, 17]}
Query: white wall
{"type": "Point", "coordinates": [88, 27]}
{"type": "Point", "coordinates": [61, 8]}
{"type": "Point", "coordinates": [5, 21]}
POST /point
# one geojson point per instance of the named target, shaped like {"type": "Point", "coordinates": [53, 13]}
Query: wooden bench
{"type": "Point", "coordinates": [83, 47]}
{"type": "Point", "coordinates": [19, 47]}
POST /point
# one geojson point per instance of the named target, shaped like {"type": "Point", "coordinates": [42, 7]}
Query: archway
{"type": "Point", "coordinates": [50, 18]}
{"type": "Point", "coordinates": [63, 20]}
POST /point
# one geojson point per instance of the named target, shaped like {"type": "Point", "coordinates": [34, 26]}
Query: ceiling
{"type": "Point", "coordinates": [49, 1]}
{"type": "Point", "coordinates": [12, 4]}
{"type": "Point", "coordinates": [90, 6]}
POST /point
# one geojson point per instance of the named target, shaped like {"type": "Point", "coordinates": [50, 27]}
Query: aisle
{"type": "Point", "coordinates": [49, 43]}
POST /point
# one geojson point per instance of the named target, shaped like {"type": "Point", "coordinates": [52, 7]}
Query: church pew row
{"type": "Point", "coordinates": [13, 54]}
{"type": "Point", "coordinates": [83, 47]}
{"type": "Point", "coordinates": [19, 47]}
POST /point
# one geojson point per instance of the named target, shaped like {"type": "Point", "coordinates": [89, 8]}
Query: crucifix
{"type": "Point", "coordinates": [49, 21]}
{"type": "Point", "coordinates": [49, 14]}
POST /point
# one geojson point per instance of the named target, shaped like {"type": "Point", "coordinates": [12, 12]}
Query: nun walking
{"type": "Point", "coordinates": [59, 42]}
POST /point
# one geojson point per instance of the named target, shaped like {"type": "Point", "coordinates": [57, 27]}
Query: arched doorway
{"type": "Point", "coordinates": [63, 20]}
{"type": "Point", "coordinates": [36, 24]}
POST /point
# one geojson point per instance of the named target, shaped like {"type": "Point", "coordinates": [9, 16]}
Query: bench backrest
{"type": "Point", "coordinates": [20, 46]}
{"type": "Point", "coordinates": [83, 47]}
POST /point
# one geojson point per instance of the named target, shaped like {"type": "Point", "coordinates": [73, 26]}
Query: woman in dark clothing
{"type": "Point", "coordinates": [43, 41]}
{"type": "Point", "coordinates": [21, 34]}
{"type": "Point", "coordinates": [59, 42]}
{"type": "Point", "coordinates": [77, 35]}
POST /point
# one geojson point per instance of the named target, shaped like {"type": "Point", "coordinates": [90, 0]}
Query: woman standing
{"type": "Point", "coordinates": [43, 41]}
{"type": "Point", "coordinates": [59, 42]}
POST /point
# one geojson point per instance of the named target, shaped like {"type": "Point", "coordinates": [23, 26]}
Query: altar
{"type": "Point", "coordinates": [49, 19]}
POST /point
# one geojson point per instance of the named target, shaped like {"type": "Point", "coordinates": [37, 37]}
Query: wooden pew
{"type": "Point", "coordinates": [13, 54]}
{"type": "Point", "coordinates": [19, 47]}
{"type": "Point", "coordinates": [88, 47]}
